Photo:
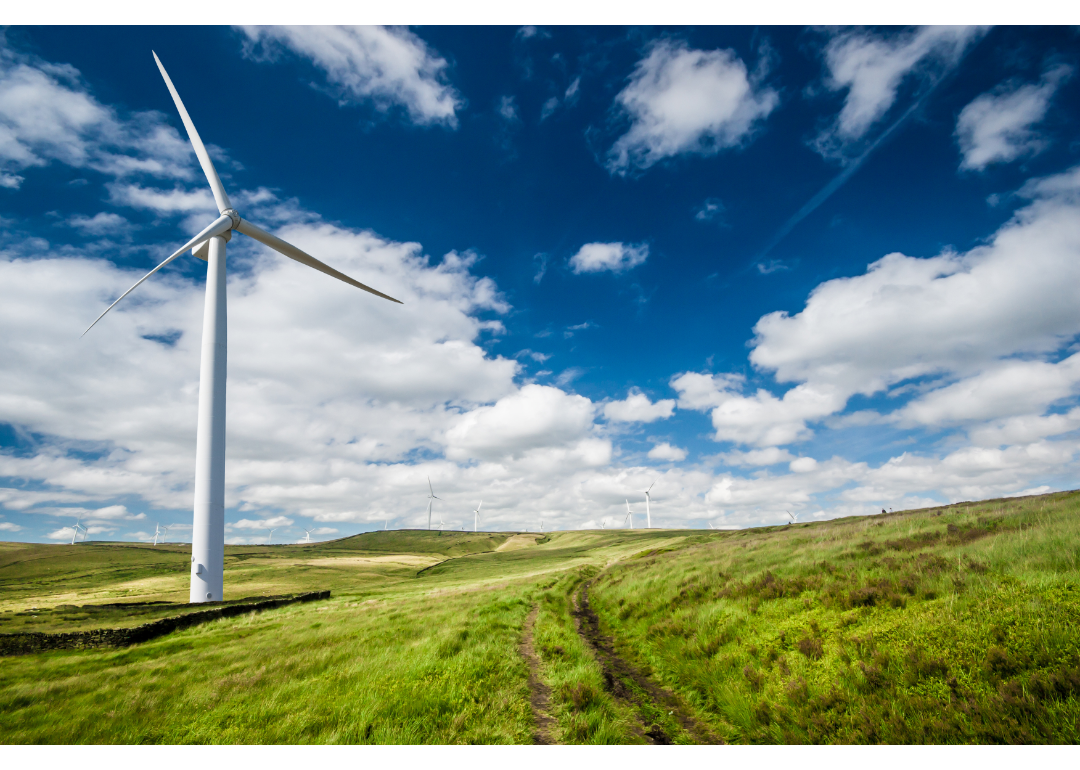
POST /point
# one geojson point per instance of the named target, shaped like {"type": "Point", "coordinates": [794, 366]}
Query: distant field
{"type": "Point", "coordinates": [944, 625]}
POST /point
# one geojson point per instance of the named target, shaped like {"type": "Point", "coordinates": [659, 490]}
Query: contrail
{"type": "Point", "coordinates": [839, 180]}
{"type": "Point", "coordinates": [843, 176]}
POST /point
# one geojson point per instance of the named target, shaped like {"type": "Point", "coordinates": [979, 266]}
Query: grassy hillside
{"type": "Point", "coordinates": [947, 625]}
{"type": "Point", "coordinates": [944, 625]}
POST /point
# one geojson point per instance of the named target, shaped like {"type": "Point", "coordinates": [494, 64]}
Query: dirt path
{"type": "Point", "coordinates": [539, 693]}
{"type": "Point", "coordinates": [616, 670]}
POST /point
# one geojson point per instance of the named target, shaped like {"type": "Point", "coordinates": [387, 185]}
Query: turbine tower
{"type": "Point", "coordinates": [794, 518]}
{"type": "Point", "coordinates": [307, 535]}
{"type": "Point", "coordinates": [78, 526]}
{"type": "Point", "coordinates": [208, 532]}
{"type": "Point", "coordinates": [270, 536]}
{"type": "Point", "coordinates": [430, 499]}
{"type": "Point", "coordinates": [157, 531]}
{"type": "Point", "coordinates": [164, 535]}
{"type": "Point", "coordinates": [629, 515]}
{"type": "Point", "coordinates": [648, 514]}
{"type": "Point", "coordinates": [476, 517]}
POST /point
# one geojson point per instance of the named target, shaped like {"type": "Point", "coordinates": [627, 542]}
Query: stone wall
{"type": "Point", "coordinates": [24, 644]}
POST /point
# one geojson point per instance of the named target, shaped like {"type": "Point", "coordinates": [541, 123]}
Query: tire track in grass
{"type": "Point", "coordinates": [627, 683]}
{"type": "Point", "coordinates": [539, 693]}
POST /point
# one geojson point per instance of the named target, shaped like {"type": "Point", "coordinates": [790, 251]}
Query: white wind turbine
{"type": "Point", "coordinates": [431, 498]}
{"type": "Point", "coordinates": [794, 519]}
{"type": "Point", "coordinates": [157, 531]}
{"type": "Point", "coordinates": [648, 513]}
{"type": "Point", "coordinates": [164, 534]}
{"type": "Point", "coordinates": [78, 526]}
{"type": "Point", "coordinates": [270, 536]}
{"type": "Point", "coordinates": [476, 517]}
{"type": "Point", "coordinates": [629, 515]}
{"type": "Point", "coordinates": [208, 532]}
{"type": "Point", "coordinates": [307, 535]}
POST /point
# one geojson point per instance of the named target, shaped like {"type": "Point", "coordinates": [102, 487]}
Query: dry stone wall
{"type": "Point", "coordinates": [25, 644]}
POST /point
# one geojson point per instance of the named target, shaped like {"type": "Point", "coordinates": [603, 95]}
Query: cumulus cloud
{"type": "Point", "coordinates": [271, 523]}
{"type": "Point", "coordinates": [386, 66]}
{"type": "Point", "coordinates": [685, 101]}
{"type": "Point", "coordinates": [667, 452]}
{"type": "Point", "coordinates": [768, 456]}
{"type": "Point", "coordinates": [7, 526]}
{"type": "Point", "coordinates": [536, 416]}
{"type": "Point", "coordinates": [870, 67]}
{"type": "Point", "coordinates": [47, 114]}
{"type": "Point", "coordinates": [636, 407]}
{"type": "Point", "coordinates": [616, 257]}
{"type": "Point", "coordinates": [997, 127]}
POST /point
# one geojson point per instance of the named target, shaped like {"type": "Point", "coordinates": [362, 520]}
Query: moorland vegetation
{"type": "Point", "coordinates": [945, 625]}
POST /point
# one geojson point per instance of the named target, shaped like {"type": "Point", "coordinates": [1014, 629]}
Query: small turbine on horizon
{"type": "Point", "coordinates": [307, 535]}
{"type": "Point", "coordinates": [648, 513]}
{"type": "Point", "coordinates": [208, 530]}
{"type": "Point", "coordinates": [629, 515]}
{"type": "Point", "coordinates": [794, 519]}
{"type": "Point", "coordinates": [431, 498]}
{"type": "Point", "coordinates": [157, 531]}
{"type": "Point", "coordinates": [270, 536]}
{"type": "Point", "coordinates": [476, 517]}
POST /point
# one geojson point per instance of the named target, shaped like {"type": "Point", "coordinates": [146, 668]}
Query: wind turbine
{"type": "Point", "coordinates": [476, 517]}
{"type": "Point", "coordinates": [78, 526]}
{"type": "Point", "coordinates": [648, 514]}
{"type": "Point", "coordinates": [629, 515]}
{"type": "Point", "coordinates": [270, 536]}
{"type": "Point", "coordinates": [794, 518]}
{"type": "Point", "coordinates": [208, 532]}
{"type": "Point", "coordinates": [307, 535]}
{"type": "Point", "coordinates": [431, 498]}
{"type": "Point", "coordinates": [541, 525]}
{"type": "Point", "coordinates": [711, 526]}
{"type": "Point", "coordinates": [157, 531]}
{"type": "Point", "coordinates": [164, 535]}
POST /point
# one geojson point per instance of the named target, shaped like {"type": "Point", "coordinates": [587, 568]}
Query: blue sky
{"type": "Point", "coordinates": [825, 271]}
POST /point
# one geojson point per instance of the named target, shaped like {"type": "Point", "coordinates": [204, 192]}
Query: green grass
{"type": "Point", "coordinates": [946, 625]}
{"type": "Point", "coordinates": [953, 625]}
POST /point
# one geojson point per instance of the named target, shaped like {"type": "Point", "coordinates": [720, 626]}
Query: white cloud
{"type": "Point", "coordinates": [549, 107]}
{"type": "Point", "coordinates": [871, 67]}
{"type": "Point", "coordinates": [387, 66]}
{"type": "Point", "coordinates": [996, 127]}
{"type": "Point", "coordinates": [681, 100]}
{"type": "Point", "coordinates": [536, 416]}
{"type": "Point", "coordinates": [175, 201]}
{"type": "Point", "coordinates": [768, 456]}
{"type": "Point", "coordinates": [271, 523]}
{"type": "Point", "coordinates": [324, 531]}
{"type": "Point", "coordinates": [47, 114]}
{"type": "Point", "coordinates": [102, 223]}
{"type": "Point", "coordinates": [616, 257]}
{"type": "Point", "coordinates": [636, 407]}
{"type": "Point", "coordinates": [7, 526]}
{"type": "Point", "coordinates": [507, 109]}
{"type": "Point", "coordinates": [711, 210]}
{"type": "Point", "coordinates": [665, 451]}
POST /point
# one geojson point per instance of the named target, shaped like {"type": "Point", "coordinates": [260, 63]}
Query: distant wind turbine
{"type": "Point", "coordinates": [78, 526]}
{"type": "Point", "coordinates": [648, 514]}
{"type": "Point", "coordinates": [208, 532]}
{"type": "Point", "coordinates": [629, 515]}
{"type": "Point", "coordinates": [157, 531]}
{"type": "Point", "coordinates": [476, 518]}
{"type": "Point", "coordinates": [270, 536]}
{"type": "Point", "coordinates": [794, 518]}
{"type": "Point", "coordinates": [541, 525]}
{"type": "Point", "coordinates": [711, 526]}
{"type": "Point", "coordinates": [307, 535]}
{"type": "Point", "coordinates": [431, 498]}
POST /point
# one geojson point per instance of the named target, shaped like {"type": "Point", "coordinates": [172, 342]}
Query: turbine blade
{"type": "Point", "coordinates": [432, 491]}
{"type": "Point", "coordinates": [290, 251]}
{"type": "Point", "coordinates": [212, 177]}
{"type": "Point", "coordinates": [480, 506]}
{"type": "Point", "coordinates": [217, 227]}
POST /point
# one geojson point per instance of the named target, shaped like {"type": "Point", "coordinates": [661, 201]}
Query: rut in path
{"type": "Point", "coordinates": [539, 693]}
{"type": "Point", "coordinates": [617, 669]}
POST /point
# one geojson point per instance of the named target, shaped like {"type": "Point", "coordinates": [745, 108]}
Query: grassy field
{"type": "Point", "coordinates": [942, 625]}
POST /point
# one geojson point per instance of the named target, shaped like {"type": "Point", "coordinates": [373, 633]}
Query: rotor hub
{"type": "Point", "coordinates": [234, 215]}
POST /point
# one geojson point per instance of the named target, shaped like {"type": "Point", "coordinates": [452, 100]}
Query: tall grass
{"type": "Point", "coordinates": [952, 625]}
